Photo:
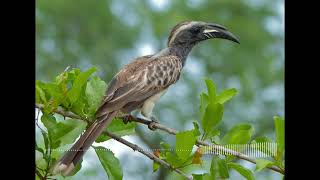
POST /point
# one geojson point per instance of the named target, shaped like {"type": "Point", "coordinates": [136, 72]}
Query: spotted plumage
{"type": "Point", "coordinates": [149, 78]}
{"type": "Point", "coordinates": [140, 84]}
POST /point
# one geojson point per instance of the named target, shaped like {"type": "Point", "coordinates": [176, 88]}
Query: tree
{"type": "Point", "coordinates": [107, 34]}
{"type": "Point", "coordinates": [70, 101]}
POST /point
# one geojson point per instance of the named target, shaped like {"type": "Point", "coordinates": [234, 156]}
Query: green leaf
{"type": "Point", "coordinates": [238, 134]}
{"type": "Point", "coordinates": [79, 107]}
{"type": "Point", "coordinates": [279, 124]}
{"type": "Point", "coordinates": [78, 84]}
{"type": "Point", "coordinates": [205, 176]}
{"type": "Point", "coordinates": [204, 101]}
{"type": "Point", "coordinates": [196, 130]}
{"type": "Point", "coordinates": [197, 176]}
{"type": "Point", "coordinates": [214, 136]}
{"type": "Point", "coordinates": [223, 168]}
{"type": "Point", "coordinates": [54, 91]}
{"type": "Point", "coordinates": [73, 74]}
{"type": "Point", "coordinates": [39, 149]}
{"type": "Point", "coordinates": [173, 159]}
{"type": "Point", "coordinates": [226, 95]}
{"type": "Point", "coordinates": [110, 163]}
{"type": "Point", "coordinates": [242, 170]}
{"type": "Point", "coordinates": [263, 163]}
{"type": "Point", "coordinates": [41, 161]}
{"type": "Point", "coordinates": [95, 91]}
{"type": "Point", "coordinates": [219, 168]}
{"type": "Point", "coordinates": [49, 121]}
{"type": "Point", "coordinates": [66, 132]}
{"type": "Point", "coordinates": [165, 146]}
{"type": "Point", "coordinates": [40, 94]}
{"type": "Point", "coordinates": [118, 128]}
{"type": "Point", "coordinates": [262, 139]}
{"type": "Point", "coordinates": [155, 166]}
{"type": "Point", "coordinates": [184, 143]}
{"type": "Point", "coordinates": [46, 144]}
{"type": "Point", "coordinates": [211, 90]}
{"type": "Point", "coordinates": [45, 139]}
{"type": "Point", "coordinates": [215, 132]}
{"type": "Point", "coordinates": [62, 78]}
{"type": "Point", "coordinates": [168, 154]}
{"type": "Point", "coordinates": [214, 168]}
{"type": "Point", "coordinates": [212, 117]}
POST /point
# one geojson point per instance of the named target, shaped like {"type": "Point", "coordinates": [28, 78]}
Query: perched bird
{"type": "Point", "coordinates": [139, 84]}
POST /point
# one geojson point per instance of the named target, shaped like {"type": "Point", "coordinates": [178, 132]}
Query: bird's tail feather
{"type": "Point", "coordinates": [69, 160]}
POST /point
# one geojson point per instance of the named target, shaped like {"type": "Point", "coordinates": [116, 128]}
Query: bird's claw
{"type": "Point", "coordinates": [152, 123]}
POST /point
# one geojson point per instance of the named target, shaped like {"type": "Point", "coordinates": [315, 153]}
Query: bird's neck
{"type": "Point", "coordinates": [181, 50]}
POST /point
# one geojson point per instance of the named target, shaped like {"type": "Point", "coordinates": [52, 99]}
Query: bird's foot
{"type": "Point", "coordinates": [152, 123]}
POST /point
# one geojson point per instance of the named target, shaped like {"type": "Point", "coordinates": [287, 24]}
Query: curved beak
{"type": "Point", "coordinates": [217, 31]}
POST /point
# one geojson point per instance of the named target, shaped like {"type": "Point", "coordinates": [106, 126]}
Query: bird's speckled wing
{"type": "Point", "coordinates": [122, 77]}
{"type": "Point", "coordinates": [140, 80]}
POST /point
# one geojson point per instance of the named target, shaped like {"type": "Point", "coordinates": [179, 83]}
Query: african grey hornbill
{"type": "Point", "coordinates": [142, 82]}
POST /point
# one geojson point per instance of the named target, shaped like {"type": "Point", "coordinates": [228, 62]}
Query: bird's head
{"type": "Point", "coordinates": [192, 32]}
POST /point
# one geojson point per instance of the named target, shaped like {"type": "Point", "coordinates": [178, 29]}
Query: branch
{"type": "Point", "coordinates": [172, 131]}
{"type": "Point", "coordinates": [62, 112]}
{"type": "Point", "coordinates": [199, 142]}
{"type": "Point", "coordinates": [146, 153]}
{"type": "Point", "coordinates": [135, 147]}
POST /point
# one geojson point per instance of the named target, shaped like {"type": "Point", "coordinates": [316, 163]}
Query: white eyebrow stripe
{"type": "Point", "coordinates": [183, 27]}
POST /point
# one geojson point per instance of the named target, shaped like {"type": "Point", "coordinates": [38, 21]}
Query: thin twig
{"type": "Point", "coordinates": [172, 131]}
{"type": "Point", "coordinates": [63, 112]}
{"type": "Point", "coordinates": [146, 153]}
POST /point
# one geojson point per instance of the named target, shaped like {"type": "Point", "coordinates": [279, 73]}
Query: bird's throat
{"type": "Point", "coordinates": [181, 50]}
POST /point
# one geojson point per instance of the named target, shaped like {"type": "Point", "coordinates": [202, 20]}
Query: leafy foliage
{"type": "Point", "coordinates": [94, 92]}
{"type": "Point", "coordinates": [263, 163]}
{"type": "Point", "coordinates": [239, 134]}
{"type": "Point", "coordinates": [218, 168]}
{"type": "Point", "coordinates": [184, 143]}
{"type": "Point", "coordinates": [242, 170]}
{"type": "Point", "coordinates": [81, 93]}
{"type": "Point", "coordinates": [109, 162]}
{"type": "Point", "coordinates": [70, 33]}
{"type": "Point", "coordinates": [212, 107]}
{"type": "Point", "coordinates": [64, 132]}
{"type": "Point", "coordinates": [279, 125]}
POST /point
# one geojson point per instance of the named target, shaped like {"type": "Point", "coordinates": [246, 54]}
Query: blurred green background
{"type": "Point", "coordinates": [109, 34]}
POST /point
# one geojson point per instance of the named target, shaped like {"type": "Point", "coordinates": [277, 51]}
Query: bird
{"type": "Point", "coordinates": [142, 82]}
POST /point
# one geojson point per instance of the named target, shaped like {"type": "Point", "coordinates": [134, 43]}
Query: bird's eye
{"type": "Point", "coordinates": [195, 30]}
